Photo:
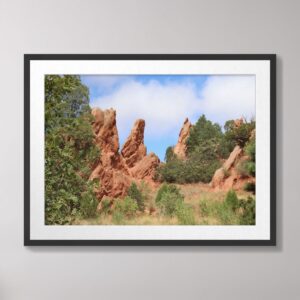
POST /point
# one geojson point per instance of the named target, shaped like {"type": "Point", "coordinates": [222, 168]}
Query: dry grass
{"type": "Point", "coordinates": [194, 195]}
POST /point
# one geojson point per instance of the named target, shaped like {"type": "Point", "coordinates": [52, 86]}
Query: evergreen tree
{"type": "Point", "coordinates": [70, 153]}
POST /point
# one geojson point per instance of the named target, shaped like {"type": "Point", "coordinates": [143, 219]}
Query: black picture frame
{"type": "Point", "coordinates": [31, 242]}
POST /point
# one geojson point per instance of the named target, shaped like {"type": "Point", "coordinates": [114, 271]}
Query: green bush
{"type": "Point", "coordinates": [221, 211]}
{"type": "Point", "coordinates": [185, 214]}
{"type": "Point", "coordinates": [169, 203]}
{"type": "Point", "coordinates": [135, 194]}
{"type": "Point", "coordinates": [118, 218]}
{"type": "Point", "coordinates": [127, 207]}
{"type": "Point", "coordinates": [199, 166]}
{"type": "Point", "coordinates": [231, 200]}
{"type": "Point", "coordinates": [249, 187]}
{"type": "Point", "coordinates": [250, 149]}
{"type": "Point", "coordinates": [88, 202]}
{"type": "Point", "coordinates": [248, 215]}
{"type": "Point", "coordinates": [251, 168]}
{"type": "Point", "coordinates": [204, 208]}
{"type": "Point", "coordinates": [226, 214]}
{"type": "Point", "coordinates": [167, 188]}
{"type": "Point", "coordinates": [232, 211]}
{"type": "Point", "coordinates": [106, 206]}
{"type": "Point", "coordinates": [170, 155]}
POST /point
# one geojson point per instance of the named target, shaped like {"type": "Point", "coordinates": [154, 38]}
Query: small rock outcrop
{"type": "Point", "coordinates": [180, 148]}
{"type": "Point", "coordinates": [228, 177]}
{"type": "Point", "coordinates": [116, 170]}
{"type": "Point", "coordinates": [219, 179]}
{"type": "Point", "coordinates": [146, 167]}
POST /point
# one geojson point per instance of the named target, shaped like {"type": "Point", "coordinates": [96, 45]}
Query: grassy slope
{"type": "Point", "coordinates": [207, 207]}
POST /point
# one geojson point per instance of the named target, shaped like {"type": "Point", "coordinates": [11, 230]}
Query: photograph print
{"type": "Point", "coordinates": [132, 155]}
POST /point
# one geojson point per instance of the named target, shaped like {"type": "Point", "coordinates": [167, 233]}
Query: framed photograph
{"type": "Point", "coordinates": [150, 149]}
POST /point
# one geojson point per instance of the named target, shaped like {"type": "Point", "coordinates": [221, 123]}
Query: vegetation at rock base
{"type": "Point", "coordinates": [70, 153]}
{"type": "Point", "coordinates": [135, 194]}
{"type": "Point", "coordinates": [206, 146]}
{"type": "Point", "coordinates": [232, 211]}
{"type": "Point", "coordinates": [179, 205]}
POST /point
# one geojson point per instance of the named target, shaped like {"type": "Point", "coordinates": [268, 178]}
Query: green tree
{"type": "Point", "coordinates": [204, 130]}
{"type": "Point", "coordinates": [238, 135]}
{"type": "Point", "coordinates": [135, 194]}
{"type": "Point", "coordinates": [70, 153]}
{"type": "Point", "coordinates": [170, 155]}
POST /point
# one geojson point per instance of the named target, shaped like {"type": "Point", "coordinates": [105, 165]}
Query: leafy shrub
{"type": "Point", "coordinates": [226, 214]}
{"type": "Point", "coordinates": [250, 149]}
{"type": "Point", "coordinates": [221, 211]}
{"type": "Point", "coordinates": [248, 216]}
{"type": "Point", "coordinates": [200, 166]}
{"type": "Point", "coordinates": [135, 194]}
{"type": "Point", "coordinates": [88, 202]}
{"type": "Point", "coordinates": [231, 211]}
{"type": "Point", "coordinates": [127, 207]}
{"type": "Point", "coordinates": [106, 206]}
{"type": "Point", "coordinates": [204, 207]}
{"type": "Point", "coordinates": [167, 188]}
{"type": "Point", "coordinates": [231, 200]}
{"type": "Point", "coordinates": [170, 155]}
{"type": "Point", "coordinates": [185, 214]}
{"type": "Point", "coordinates": [169, 203]}
{"type": "Point", "coordinates": [118, 217]}
{"type": "Point", "coordinates": [251, 168]}
{"type": "Point", "coordinates": [249, 187]}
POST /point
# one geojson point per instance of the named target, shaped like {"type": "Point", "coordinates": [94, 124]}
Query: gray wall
{"type": "Point", "coordinates": [150, 26]}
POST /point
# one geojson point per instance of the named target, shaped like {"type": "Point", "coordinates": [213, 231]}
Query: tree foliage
{"type": "Point", "coordinates": [203, 155]}
{"type": "Point", "coordinates": [238, 135]}
{"type": "Point", "coordinates": [207, 145]}
{"type": "Point", "coordinates": [70, 153]}
{"type": "Point", "coordinates": [135, 194]}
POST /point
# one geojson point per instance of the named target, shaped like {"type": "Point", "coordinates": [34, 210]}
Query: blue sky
{"type": "Point", "coordinates": [164, 101]}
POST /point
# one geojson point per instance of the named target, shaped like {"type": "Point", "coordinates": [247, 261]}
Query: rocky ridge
{"type": "Point", "coordinates": [116, 170]}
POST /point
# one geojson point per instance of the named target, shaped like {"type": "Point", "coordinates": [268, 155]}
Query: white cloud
{"type": "Point", "coordinates": [165, 106]}
{"type": "Point", "coordinates": [229, 97]}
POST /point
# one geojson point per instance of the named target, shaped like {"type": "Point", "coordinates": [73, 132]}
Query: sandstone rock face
{"type": "Point", "coordinates": [105, 130]}
{"type": "Point", "coordinates": [146, 167]}
{"type": "Point", "coordinates": [134, 153]}
{"type": "Point", "coordinates": [115, 170]}
{"type": "Point", "coordinates": [134, 149]}
{"type": "Point", "coordinates": [111, 170]}
{"type": "Point", "coordinates": [227, 177]}
{"type": "Point", "coordinates": [219, 179]}
{"type": "Point", "coordinates": [180, 148]}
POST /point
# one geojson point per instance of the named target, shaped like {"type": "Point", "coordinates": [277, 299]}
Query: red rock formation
{"type": "Point", "coordinates": [146, 167]}
{"type": "Point", "coordinates": [219, 179]}
{"type": "Point", "coordinates": [180, 148]}
{"type": "Point", "coordinates": [227, 176]}
{"type": "Point", "coordinates": [111, 171]}
{"type": "Point", "coordinates": [116, 171]}
{"type": "Point", "coordinates": [140, 165]}
{"type": "Point", "coordinates": [134, 149]}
